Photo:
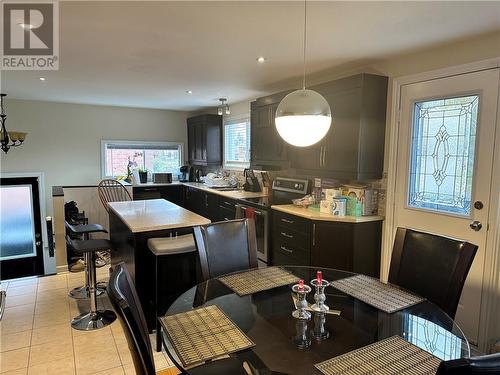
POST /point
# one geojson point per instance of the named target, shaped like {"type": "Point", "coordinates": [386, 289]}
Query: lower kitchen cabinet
{"type": "Point", "coordinates": [227, 209]}
{"type": "Point", "coordinates": [345, 246]}
{"type": "Point", "coordinates": [172, 193]}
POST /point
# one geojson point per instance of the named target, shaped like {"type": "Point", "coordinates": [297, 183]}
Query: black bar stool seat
{"type": "Point", "coordinates": [82, 292]}
{"type": "Point", "coordinates": [94, 319]}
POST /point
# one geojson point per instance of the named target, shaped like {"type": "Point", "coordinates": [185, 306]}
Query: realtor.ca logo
{"type": "Point", "coordinates": [30, 35]}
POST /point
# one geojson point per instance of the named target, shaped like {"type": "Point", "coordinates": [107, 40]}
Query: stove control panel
{"type": "Point", "coordinates": [291, 185]}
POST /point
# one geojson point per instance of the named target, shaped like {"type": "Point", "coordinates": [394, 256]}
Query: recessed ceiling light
{"type": "Point", "coordinates": [26, 25]}
{"type": "Point", "coordinates": [261, 59]}
{"type": "Point", "coordinates": [42, 78]}
{"type": "Point", "coordinates": [189, 92]}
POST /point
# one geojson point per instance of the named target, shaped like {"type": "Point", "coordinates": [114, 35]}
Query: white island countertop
{"type": "Point", "coordinates": [155, 214]}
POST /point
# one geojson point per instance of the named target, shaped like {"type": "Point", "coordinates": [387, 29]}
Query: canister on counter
{"type": "Point", "coordinates": [325, 207]}
{"type": "Point", "coordinates": [339, 206]}
{"type": "Point", "coordinates": [332, 193]}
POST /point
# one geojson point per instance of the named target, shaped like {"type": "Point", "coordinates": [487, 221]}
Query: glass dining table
{"type": "Point", "coordinates": [265, 317]}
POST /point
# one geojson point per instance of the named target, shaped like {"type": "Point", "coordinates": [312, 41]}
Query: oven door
{"type": "Point", "coordinates": [261, 218]}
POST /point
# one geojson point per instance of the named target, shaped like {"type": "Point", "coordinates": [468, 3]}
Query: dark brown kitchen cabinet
{"type": "Point", "coordinates": [227, 209]}
{"type": "Point", "coordinates": [268, 150]}
{"type": "Point", "coordinates": [205, 140]}
{"type": "Point", "coordinates": [346, 246]}
{"type": "Point", "coordinates": [194, 200]}
{"type": "Point", "coordinates": [353, 149]}
{"type": "Point", "coordinates": [173, 193]}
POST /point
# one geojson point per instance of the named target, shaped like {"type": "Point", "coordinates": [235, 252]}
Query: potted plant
{"type": "Point", "coordinates": [143, 175]}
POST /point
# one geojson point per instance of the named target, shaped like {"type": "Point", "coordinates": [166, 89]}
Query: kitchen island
{"type": "Point", "coordinates": [131, 224]}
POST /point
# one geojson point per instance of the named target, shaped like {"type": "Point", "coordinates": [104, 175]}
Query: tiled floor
{"type": "Point", "coordinates": [36, 336]}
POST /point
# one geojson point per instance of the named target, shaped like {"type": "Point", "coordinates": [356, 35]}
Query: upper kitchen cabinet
{"type": "Point", "coordinates": [353, 149]}
{"type": "Point", "coordinates": [268, 150]}
{"type": "Point", "coordinates": [205, 140]}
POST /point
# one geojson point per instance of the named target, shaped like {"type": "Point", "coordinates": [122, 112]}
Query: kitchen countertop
{"type": "Point", "coordinates": [234, 194]}
{"type": "Point", "coordinates": [155, 214]}
{"type": "Point", "coordinates": [320, 216]}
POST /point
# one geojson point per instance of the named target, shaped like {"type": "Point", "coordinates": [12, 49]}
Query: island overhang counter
{"type": "Point", "coordinates": [131, 224]}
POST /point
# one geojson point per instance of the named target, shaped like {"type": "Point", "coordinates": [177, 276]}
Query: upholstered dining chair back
{"type": "Point", "coordinates": [126, 303]}
{"type": "Point", "coordinates": [432, 266]}
{"type": "Point", "coordinates": [486, 364]}
{"type": "Point", "coordinates": [226, 246]}
{"type": "Point", "coordinates": [112, 191]}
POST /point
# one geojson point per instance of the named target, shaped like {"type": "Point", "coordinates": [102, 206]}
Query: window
{"type": "Point", "coordinates": [442, 154]}
{"type": "Point", "coordinates": [237, 143]}
{"type": "Point", "coordinates": [156, 157]}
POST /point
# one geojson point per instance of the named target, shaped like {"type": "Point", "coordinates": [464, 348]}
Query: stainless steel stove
{"type": "Point", "coordinates": [283, 191]}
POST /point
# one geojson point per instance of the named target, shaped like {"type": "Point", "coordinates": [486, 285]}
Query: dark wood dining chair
{"type": "Point", "coordinates": [112, 191]}
{"type": "Point", "coordinates": [432, 266]}
{"type": "Point", "coordinates": [125, 301]}
{"type": "Point", "coordinates": [486, 364]}
{"type": "Point", "coordinates": [226, 246]}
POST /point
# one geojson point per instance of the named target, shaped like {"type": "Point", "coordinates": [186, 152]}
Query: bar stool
{"type": "Point", "coordinates": [82, 292]}
{"type": "Point", "coordinates": [175, 270]}
{"type": "Point", "coordinates": [94, 319]}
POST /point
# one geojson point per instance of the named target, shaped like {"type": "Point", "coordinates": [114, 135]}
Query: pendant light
{"type": "Point", "coordinates": [303, 117]}
{"type": "Point", "coordinates": [223, 108]}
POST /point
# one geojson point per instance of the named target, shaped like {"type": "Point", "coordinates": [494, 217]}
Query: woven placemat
{"type": "Point", "coordinates": [258, 279]}
{"type": "Point", "coordinates": [387, 357]}
{"type": "Point", "coordinates": [202, 334]}
{"type": "Point", "coordinates": [385, 297]}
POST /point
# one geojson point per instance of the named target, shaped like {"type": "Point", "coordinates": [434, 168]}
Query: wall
{"type": "Point", "coordinates": [64, 140]}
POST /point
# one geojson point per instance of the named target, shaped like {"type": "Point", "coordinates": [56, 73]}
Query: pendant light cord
{"type": "Point", "coordinates": [305, 36]}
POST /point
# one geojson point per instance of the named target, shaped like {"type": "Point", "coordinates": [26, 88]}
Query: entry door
{"type": "Point", "coordinates": [21, 247]}
{"type": "Point", "coordinates": [444, 168]}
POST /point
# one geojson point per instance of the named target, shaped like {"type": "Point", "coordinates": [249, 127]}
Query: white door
{"type": "Point", "coordinates": [444, 168]}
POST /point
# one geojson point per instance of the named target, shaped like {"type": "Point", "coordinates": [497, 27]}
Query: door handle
{"type": "Point", "coordinates": [476, 225]}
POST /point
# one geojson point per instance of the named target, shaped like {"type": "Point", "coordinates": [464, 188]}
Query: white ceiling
{"type": "Point", "coordinates": [147, 54]}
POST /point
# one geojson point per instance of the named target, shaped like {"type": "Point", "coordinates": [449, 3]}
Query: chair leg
{"type": "Point", "coordinates": [158, 336]}
{"type": "Point", "coordinates": [94, 319]}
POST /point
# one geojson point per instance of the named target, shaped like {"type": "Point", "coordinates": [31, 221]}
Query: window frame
{"type": "Point", "coordinates": [234, 120]}
{"type": "Point", "coordinates": [139, 144]}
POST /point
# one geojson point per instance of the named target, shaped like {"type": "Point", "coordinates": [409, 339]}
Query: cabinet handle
{"type": "Point", "coordinates": [314, 234]}
{"type": "Point", "coordinates": [285, 249]}
{"type": "Point", "coordinates": [150, 189]}
{"type": "Point", "coordinates": [206, 200]}
{"type": "Point", "coordinates": [287, 221]}
{"type": "Point", "coordinates": [286, 235]}
{"type": "Point", "coordinates": [321, 156]}
{"type": "Point", "coordinates": [324, 156]}
{"type": "Point", "coordinates": [226, 219]}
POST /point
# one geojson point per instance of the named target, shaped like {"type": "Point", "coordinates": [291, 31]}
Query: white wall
{"type": "Point", "coordinates": [64, 140]}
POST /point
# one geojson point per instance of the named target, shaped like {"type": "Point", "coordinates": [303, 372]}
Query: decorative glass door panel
{"type": "Point", "coordinates": [442, 154]}
{"type": "Point", "coordinates": [444, 169]}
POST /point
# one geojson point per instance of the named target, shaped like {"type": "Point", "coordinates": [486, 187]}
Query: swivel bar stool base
{"type": "Point", "coordinates": [90, 321]}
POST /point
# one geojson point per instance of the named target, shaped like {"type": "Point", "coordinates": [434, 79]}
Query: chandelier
{"type": "Point", "coordinates": [223, 108]}
{"type": "Point", "coordinates": [8, 139]}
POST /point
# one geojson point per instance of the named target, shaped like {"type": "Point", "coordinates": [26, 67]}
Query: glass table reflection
{"type": "Point", "coordinates": [290, 346]}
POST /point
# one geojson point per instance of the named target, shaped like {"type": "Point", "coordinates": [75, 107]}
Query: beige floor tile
{"type": "Point", "coordinates": [95, 340]}
{"type": "Point", "coordinates": [129, 370]}
{"type": "Point", "coordinates": [41, 321]}
{"type": "Point", "coordinates": [125, 355]}
{"type": "Point", "coordinates": [14, 359]}
{"type": "Point", "coordinates": [56, 333]}
{"type": "Point", "coordinates": [16, 324]}
{"type": "Point", "coordinates": [112, 371]}
{"type": "Point", "coordinates": [25, 281]}
{"type": "Point", "coordinates": [15, 341]}
{"type": "Point", "coordinates": [52, 278]}
{"type": "Point", "coordinates": [65, 366]}
{"type": "Point", "coordinates": [24, 299]}
{"type": "Point", "coordinates": [19, 311]}
{"type": "Point", "coordinates": [58, 308]}
{"type": "Point", "coordinates": [94, 361]}
{"type": "Point", "coordinates": [22, 371]}
{"type": "Point", "coordinates": [57, 284]}
{"type": "Point", "coordinates": [49, 352]}
{"type": "Point", "coordinates": [21, 290]}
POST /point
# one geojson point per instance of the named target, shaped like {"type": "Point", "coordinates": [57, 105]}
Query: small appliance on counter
{"type": "Point", "coordinates": [251, 182]}
{"type": "Point", "coordinates": [184, 176]}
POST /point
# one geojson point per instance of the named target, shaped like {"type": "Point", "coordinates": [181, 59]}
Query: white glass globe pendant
{"type": "Point", "coordinates": [303, 117]}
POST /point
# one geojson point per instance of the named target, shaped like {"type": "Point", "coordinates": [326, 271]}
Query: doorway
{"type": "Point", "coordinates": [444, 168]}
{"type": "Point", "coordinates": [21, 244]}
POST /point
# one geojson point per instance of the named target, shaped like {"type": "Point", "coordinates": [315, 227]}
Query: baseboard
{"type": "Point", "coordinates": [61, 269]}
